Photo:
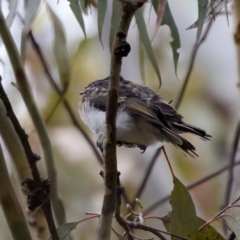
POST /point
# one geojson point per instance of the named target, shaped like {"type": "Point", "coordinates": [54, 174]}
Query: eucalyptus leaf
{"type": "Point", "coordinates": [60, 50]}
{"type": "Point", "coordinates": [13, 5]}
{"type": "Point", "coordinates": [213, 8]}
{"type": "Point", "coordinates": [65, 230]}
{"type": "Point", "coordinates": [233, 224]}
{"type": "Point", "coordinates": [169, 21]}
{"type": "Point", "coordinates": [146, 42]}
{"type": "Point", "coordinates": [202, 11]}
{"type": "Point", "coordinates": [175, 43]}
{"type": "Point", "coordinates": [77, 11]}
{"type": "Point", "coordinates": [182, 220]}
{"type": "Point", "coordinates": [31, 12]}
{"type": "Point", "coordinates": [102, 7]}
{"type": "Point", "coordinates": [160, 13]}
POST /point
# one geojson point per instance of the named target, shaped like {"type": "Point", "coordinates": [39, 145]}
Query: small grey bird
{"type": "Point", "coordinates": [143, 116]}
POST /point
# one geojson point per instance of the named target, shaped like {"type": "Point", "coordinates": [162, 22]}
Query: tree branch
{"type": "Point", "coordinates": [26, 93]}
{"type": "Point", "coordinates": [110, 160]}
{"type": "Point", "coordinates": [118, 216]}
{"type": "Point", "coordinates": [11, 206]}
{"type": "Point", "coordinates": [192, 60]}
{"type": "Point", "coordinates": [231, 166]}
{"type": "Point", "coordinates": [154, 231]}
{"type": "Point", "coordinates": [32, 158]}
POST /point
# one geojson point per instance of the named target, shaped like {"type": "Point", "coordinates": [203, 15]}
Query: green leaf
{"type": "Point", "coordinates": [13, 4]}
{"type": "Point", "coordinates": [202, 11]}
{"type": "Point", "coordinates": [226, 10]}
{"type": "Point", "coordinates": [182, 220]}
{"type": "Point", "coordinates": [146, 42]}
{"type": "Point", "coordinates": [84, 6]}
{"type": "Point", "coordinates": [208, 233]}
{"type": "Point", "coordinates": [176, 43]}
{"type": "Point", "coordinates": [141, 61]}
{"type": "Point", "coordinates": [115, 20]}
{"type": "Point", "coordinates": [160, 13]}
{"type": "Point", "coordinates": [77, 11]}
{"type": "Point", "coordinates": [31, 12]}
{"type": "Point", "coordinates": [60, 50]}
{"type": "Point", "coordinates": [213, 8]}
{"type": "Point", "coordinates": [65, 230]}
{"type": "Point", "coordinates": [102, 7]}
{"type": "Point", "coordinates": [169, 21]}
{"type": "Point", "coordinates": [233, 224]}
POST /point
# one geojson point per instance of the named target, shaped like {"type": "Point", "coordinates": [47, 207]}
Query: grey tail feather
{"type": "Point", "coordinates": [180, 142]}
{"type": "Point", "coordinates": [184, 127]}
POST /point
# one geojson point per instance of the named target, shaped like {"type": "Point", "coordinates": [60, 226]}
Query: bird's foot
{"type": "Point", "coordinates": [142, 147]}
{"type": "Point", "coordinates": [131, 145]}
{"type": "Point", "coordinates": [125, 144]}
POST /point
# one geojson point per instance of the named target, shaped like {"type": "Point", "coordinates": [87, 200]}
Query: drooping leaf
{"type": "Point", "coordinates": [31, 12]}
{"type": "Point", "coordinates": [77, 11]}
{"type": "Point", "coordinates": [213, 8]}
{"type": "Point", "coordinates": [169, 21]}
{"type": "Point", "coordinates": [141, 61]}
{"type": "Point", "coordinates": [225, 6]}
{"type": "Point", "coordinates": [65, 230]}
{"type": "Point", "coordinates": [13, 4]}
{"type": "Point", "coordinates": [160, 13]}
{"type": "Point", "coordinates": [84, 6]}
{"type": "Point", "coordinates": [102, 7]}
{"type": "Point", "coordinates": [208, 233]}
{"type": "Point", "coordinates": [146, 42]}
{"type": "Point", "coordinates": [202, 11]}
{"type": "Point", "coordinates": [232, 218]}
{"type": "Point", "coordinates": [175, 43]}
{"type": "Point", "coordinates": [116, 16]}
{"type": "Point", "coordinates": [182, 220]}
{"type": "Point", "coordinates": [60, 50]}
{"type": "Point", "coordinates": [233, 224]}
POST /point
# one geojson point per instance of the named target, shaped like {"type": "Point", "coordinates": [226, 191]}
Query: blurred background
{"type": "Point", "coordinates": [211, 102]}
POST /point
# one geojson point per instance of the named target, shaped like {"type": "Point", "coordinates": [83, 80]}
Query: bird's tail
{"type": "Point", "coordinates": [184, 127]}
{"type": "Point", "coordinates": [179, 141]}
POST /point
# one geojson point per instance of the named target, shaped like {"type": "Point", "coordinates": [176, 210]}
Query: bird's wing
{"type": "Point", "coordinates": [166, 111]}
{"type": "Point", "coordinates": [140, 109]}
{"type": "Point", "coordinates": [158, 112]}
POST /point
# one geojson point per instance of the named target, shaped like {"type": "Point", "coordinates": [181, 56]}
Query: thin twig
{"type": "Point", "coordinates": [231, 167]}
{"type": "Point", "coordinates": [218, 215]}
{"type": "Point", "coordinates": [32, 159]}
{"type": "Point", "coordinates": [169, 164]}
{"type": "Point", "coordinates": [146, 177]}
{"type": "Point", "coordinates": [61, 95]}
{"type": "Point", "coordinates": [154, 231]}
{"type": "Point", "coordinates": [118, 216]}
{"type": "Point", "coordinates": [191, 186]}
{"type": "Point", "coordinates": [192, 60]}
